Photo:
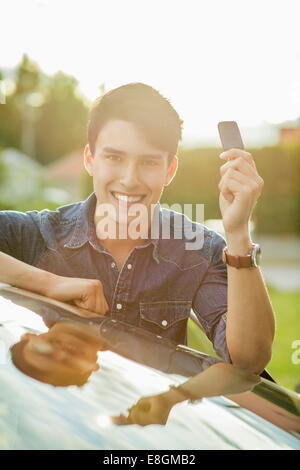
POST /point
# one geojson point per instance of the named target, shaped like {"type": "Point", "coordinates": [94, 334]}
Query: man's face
{"type": "Point", "coordinates": [127, 169]}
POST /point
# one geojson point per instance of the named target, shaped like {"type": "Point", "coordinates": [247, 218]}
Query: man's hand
{"type": "Point", "coordinates": [148, 410]}
{"type": "Point", "coordinates": [240, 186]}
{"type": "Point", "coordinates": [85, 293]}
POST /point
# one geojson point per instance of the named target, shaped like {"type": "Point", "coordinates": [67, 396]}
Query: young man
{"type": "Point", "coordinates": [146, 280]}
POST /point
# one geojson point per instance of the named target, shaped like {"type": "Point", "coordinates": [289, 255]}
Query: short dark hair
{"type": "Point", "coordinates": [142, 105]}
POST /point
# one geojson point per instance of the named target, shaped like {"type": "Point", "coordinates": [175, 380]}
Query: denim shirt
{"type": "Point", "coordinates": [159, 283]}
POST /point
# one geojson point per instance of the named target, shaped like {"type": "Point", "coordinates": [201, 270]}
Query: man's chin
{"type": "Point", "coordinates": [122, 226]}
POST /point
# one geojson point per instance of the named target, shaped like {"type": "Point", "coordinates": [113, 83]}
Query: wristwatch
{"type": "Point", "coordinates": [251, 260]}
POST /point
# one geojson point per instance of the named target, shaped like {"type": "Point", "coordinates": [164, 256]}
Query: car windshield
{"type": "Point", "coordinates": [111, 382]}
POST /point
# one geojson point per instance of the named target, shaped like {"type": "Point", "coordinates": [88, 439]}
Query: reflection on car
{"type": "Point", "coordinates": [72, 383]}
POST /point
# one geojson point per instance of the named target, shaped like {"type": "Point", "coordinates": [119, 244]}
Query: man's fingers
{"type": "Point", "coordinates": [87, 294]}
{"type": "Point", "coordinates": [229, 188]}
{"type": "Point", "coordinates": [241, 167]}
{"type": "Point", "coordinates": [101, 304]}
{"type": "Point", "coordinates": [249, 185]}
{"type": "Point", "coordinates": [233, 154]}
{"type": "Point", "coordinates": [90, 304]}
{"type": "Point", "coordinates": [106, 307]}
{"type": "Point", "coordinates": [96, 299]}
{"type": "Point", "coordinates": [239, 164]}
{"type": "Point", "coordinates": [84, 310]}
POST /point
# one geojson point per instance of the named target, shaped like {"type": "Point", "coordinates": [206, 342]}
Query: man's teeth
{"type": "Point", "coordinates": [122, 197]}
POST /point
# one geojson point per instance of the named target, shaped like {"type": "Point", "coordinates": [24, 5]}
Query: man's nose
{"type": "Point", "coordinates": [130, 177]}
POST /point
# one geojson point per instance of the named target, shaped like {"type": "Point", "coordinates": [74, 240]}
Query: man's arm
{"type": "Point", "coordinates": [250, 325]}
{"type": "Point", "coordinates": [21, 245]}
{"type": "Point", "coordinates": [85, 293]}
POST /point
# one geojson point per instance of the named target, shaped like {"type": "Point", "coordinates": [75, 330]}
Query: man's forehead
{"type": "Point", "coordinates": [126, 138]}
{"type": "Point", "coordinates": [108, 150]}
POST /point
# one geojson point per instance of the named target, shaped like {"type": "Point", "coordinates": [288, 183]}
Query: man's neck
{"type": "Point", "coordinates": [121, 244]}
{"type": "Point", "coordinates": [118, 246]}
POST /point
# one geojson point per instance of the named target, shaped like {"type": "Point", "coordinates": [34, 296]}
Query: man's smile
{"type": "Point", "coordinates": [127, 198]}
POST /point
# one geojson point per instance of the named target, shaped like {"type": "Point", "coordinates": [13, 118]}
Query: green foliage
{"type": "Point", "coordinates": [28, 76]}
{"type": "Point", "coordinates": [58, 120]}
{"type": "Point", "coordinates": [62, 123]}
{"type": "Point", "coordinates": [198, 340]}
{"type": "Point", "coordinates": [277, 210]}
{"type": "Point", "coordinates": [286, 306]}
{"type": "Point", "coordinates": [2, 171]}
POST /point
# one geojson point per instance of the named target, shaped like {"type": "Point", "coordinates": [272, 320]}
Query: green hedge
{"type": "Point", "coordinates": [277, 210]}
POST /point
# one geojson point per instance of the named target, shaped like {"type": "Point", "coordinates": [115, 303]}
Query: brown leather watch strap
{"type": "Point", "coordinates": [236, 261]}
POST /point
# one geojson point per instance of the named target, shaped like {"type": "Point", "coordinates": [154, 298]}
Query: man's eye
{"type": "Point", "coordinates": [113, 158]}
{"type": "Point", "coordinates": [150, 162]}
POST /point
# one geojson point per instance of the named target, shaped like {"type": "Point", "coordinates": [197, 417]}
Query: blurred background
{"type": "Point", "coordinates": [214, 61]}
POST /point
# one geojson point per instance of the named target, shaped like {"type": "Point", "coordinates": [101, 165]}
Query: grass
{"type": "Point", "coordinates": [286, 306]}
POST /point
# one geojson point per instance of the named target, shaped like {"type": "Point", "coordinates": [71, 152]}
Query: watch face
{"type": "Point", "coordinates": [256, 255]}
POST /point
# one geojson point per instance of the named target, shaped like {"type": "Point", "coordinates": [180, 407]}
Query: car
{"type": "Point", "coordinates": [94, 383]}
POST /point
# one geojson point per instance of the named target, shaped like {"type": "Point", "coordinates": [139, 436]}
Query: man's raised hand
{"type": "Point", "coordinates": [240, 186]}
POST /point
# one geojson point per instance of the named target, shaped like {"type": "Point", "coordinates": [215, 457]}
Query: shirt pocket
{"type": "Point", "coordinates": [165, 318]}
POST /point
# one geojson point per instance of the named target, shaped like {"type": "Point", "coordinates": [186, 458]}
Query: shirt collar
{"type": "Point", "coordinates": [84, 221]}
{"type": "Point", "coordinates": [85, 229]}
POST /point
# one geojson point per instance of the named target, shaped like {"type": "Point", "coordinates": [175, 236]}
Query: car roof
{"type": "Point", "coordinates": [37, 415]}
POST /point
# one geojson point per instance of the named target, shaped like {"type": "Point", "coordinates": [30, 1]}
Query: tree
{"type": "Point", "coordinates": [62, 124]}
{"type": "Point", "coordinates": [45, 117]}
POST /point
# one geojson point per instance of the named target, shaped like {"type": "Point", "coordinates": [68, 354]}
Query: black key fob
{"type": "Point", "coordinates": [230, 135]}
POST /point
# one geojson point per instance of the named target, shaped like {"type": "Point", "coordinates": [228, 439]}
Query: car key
{"type": "Point", "coordinates": [230, 135]}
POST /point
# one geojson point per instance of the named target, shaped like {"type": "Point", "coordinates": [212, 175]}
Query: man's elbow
{"type": "Point", "coordinates": [255, 361]}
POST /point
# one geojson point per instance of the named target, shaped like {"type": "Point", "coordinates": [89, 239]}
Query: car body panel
{"type": "Point", "coordinates": [36, 415]}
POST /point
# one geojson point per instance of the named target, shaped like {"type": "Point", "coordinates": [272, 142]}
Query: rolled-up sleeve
{"type": "Point", "coordinates": [210, 300]}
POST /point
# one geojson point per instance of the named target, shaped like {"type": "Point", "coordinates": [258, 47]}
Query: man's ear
{"type": "Point", "coordinates": [171, 170]}
{"type": "Point", "coordinates": [88, 159]}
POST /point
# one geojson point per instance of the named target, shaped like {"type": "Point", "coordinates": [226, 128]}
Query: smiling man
{"type": "Point", "coordinates": [87, 253]}
{"type": "Point", "coordinates": [130, 175]}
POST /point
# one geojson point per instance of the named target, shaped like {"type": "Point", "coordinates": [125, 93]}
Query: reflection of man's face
{"type": "Point", "coordinates": [61, 351]}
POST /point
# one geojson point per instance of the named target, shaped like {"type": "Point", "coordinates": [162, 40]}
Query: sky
{"type": "Point", "coordinates": [214, 60]}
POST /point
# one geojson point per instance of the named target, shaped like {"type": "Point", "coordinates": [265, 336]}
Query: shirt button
{"type": "Point", "coordinates": [119, 306]}
{"type": "Point", "coordinates": [129, 266]}
{"type": "Point", "coordinates": [113, 265]}
{"type": "Point", "coordinates": [164, 323]}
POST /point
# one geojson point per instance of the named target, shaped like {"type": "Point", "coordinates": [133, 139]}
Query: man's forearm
{"type": "Point", "coordinates": [19, 274]}
{"type": "Point", "coordinates": [250, 322]}
{"type": "Point", "coordinates": [85, 293]}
